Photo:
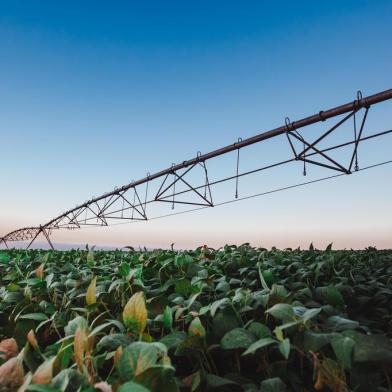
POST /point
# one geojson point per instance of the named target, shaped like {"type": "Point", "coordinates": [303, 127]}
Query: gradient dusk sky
{"type": "Point", "coordinates": [95, 94]}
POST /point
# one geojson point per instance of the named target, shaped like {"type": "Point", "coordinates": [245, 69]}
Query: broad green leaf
{"type": "Point", "coordinates": [314, 341]}
{"type": "Point", "coordinates": [74, 324]}
{"type": "Point", "coordinates": [338, 323]}
{"type": "Point", "coordinates": [34, 316]}
{"type": "Point", "coordinates": [100, 328]}
{"type": "Point", "coordinates": [183, 286]}
{"type": "Point", "coordinates": [131, 386]}
{"type": "Point", "coordinates": [273, 385]}
{"type": "Point", "coordinates": [311, 313]}
{"type": "Point", "coordinates": [224, 321]}
{"type": "Point", "coordinates": [282, 311]}
{"type": "Point", "coordinates": [174, 339]}
{"type": "Point", "coordinates": [158, 378]}
{"type": "Point", "coordinates": [68, 380]}
{"type": "Point", "coordinates": [264, 342]}
{"type": "Point", "coordinates": [4, 258]}
{"type": "Point", "coordinates": [217, 304]}
{"type": "Point", "coordinates": [343, 347]}
{"type": "Point", "coordinates": [196, 328]}
{"type": "Point", "coordinates": [330, 294]}
{"type": "Point", "coordinates": [237, 338]}
{"type": "Point", "coordinates": [259, 330]}
{"type": "Point", "coordinates": [224, 287]}
{"type": "Point", "coordinates": [284, 347]}
{"type": "Point", "coordinates": [124, 269]}
{"type": "Point", "coordinates": [138, 357]}
{"type": "Point", "coordinates": [113, 341]}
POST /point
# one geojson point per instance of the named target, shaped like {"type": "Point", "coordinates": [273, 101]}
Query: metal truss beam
{"type": "Point", "coordinates": [126, 202]}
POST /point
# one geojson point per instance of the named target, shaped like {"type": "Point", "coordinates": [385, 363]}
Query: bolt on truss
{"type": "Point", "coordinates": [188, 183]}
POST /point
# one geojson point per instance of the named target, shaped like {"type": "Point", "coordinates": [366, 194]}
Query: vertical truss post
{"type": "Point", "coordinates": [5, 242]}
{"type": "Point", "coordinates": [33, 239]}
{"type": "Point", "coordinates": [46, 234]}
{"type": "Point", "coordinates": [357, 140]}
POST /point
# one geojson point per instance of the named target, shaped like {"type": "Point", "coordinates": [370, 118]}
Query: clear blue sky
{"type": "Point", "coordinates": [95, 94]}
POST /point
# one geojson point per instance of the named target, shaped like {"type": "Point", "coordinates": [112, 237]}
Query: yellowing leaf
{"type": "Point", "coordinates": [135, 313]}
{"type": "Point", "coordinates": [44, 373]}
{"type": "Point", "coordinates": [117, 354]}
{"type": "Point", "coordinates": [39, 272]}
{"type": "Point", "coordinates": [80, 345]}
{"type": "Point", "coordinates": [91, 294]}
{"type": "Point", "coordinates": [279, 334]}
{"type": "Point", "coordinates": [196, 328]}
{"type": "Point", "coordinates": [8, 349]}
{"type": "Point", "coordinates": [11, 374]}
{"type": "Point", "coordinates": [32, 339]}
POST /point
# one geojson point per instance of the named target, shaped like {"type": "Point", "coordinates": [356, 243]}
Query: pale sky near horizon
{"type": "Point", "coordinates": [95, 96]}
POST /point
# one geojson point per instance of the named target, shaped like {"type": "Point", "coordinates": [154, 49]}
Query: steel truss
{"type": "Point", "coordinates": [175, 185]}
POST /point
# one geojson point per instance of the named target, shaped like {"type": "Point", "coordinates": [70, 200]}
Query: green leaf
{"type": "Point", "coordinates": [100, 328]}
{"type": "Point", "coordinates": [168, 318]}
{"type": "Point", "coordinates": [190, 346]}
{"type": "Point", "coordinates": [183, 286]}
{"type": "Point", "coordinates": [237, 338]}
{"type": "Point", "coordinates": [214, 381]}
{"type": "Point", "coordinates": [264, 342]}
{"type": "Point", "coordinates": [74, 324]}
{"type": "Point", "coordinates": [138, 357]}
{"type": "Point", "coordinates": [34, 316]}
{"type": "Point", "coordinates": [284, 348]}
{"type": "Point", "coordinates": [273, 385]}
{"type": "Point", "coordinates": [113, 341]}
{"type": "Point", "coordinates": [158, 379]}
{"type": "Point", "coordinates": [131, 386]}
{"type": "Point", "coordinates": [314, 341]}
{"type": "Point", "coordinates": [196, 381]}
{"type": "Point", "coordinates": [124, 269]}
{"type": "Point", "coordinates": [224, 321]}
{"type": "Point", "coordinates": [224, 287]}
{"type": "Point", "coordinates": [4, 258]}
{"type": "Point", "coordinates": [68, 380]}
{"type": "Point", "coordinates": [338, 323]}
{"type": "Point", "coordinates": [217, 304]}
{"type": "Point", "coordinates": [174, 339]}
{"type": "Point", "coordinates": [282, 311]}
{"type": "Point", "coordinates": [196, 328]}
{"type": "Point", "coordinates": [343, 348]}
{"type": "Point", "coordinates": [311, 313]}
{"type": "Point", "coordinates": [262, 280]}
{"type": "Point", "coordinates": [331, 295]}
{"type": "Point", "coordinates": [259, 330]}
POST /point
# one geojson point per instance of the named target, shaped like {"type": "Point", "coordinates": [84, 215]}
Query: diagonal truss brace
{"type": "Point", "coordinates": [164, 195]}
{"type": "Point", "coordinates": [311, 149]}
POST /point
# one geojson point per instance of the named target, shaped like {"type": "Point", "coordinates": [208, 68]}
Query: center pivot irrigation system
{"type": "Point", "coordinates": [174, 185]}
